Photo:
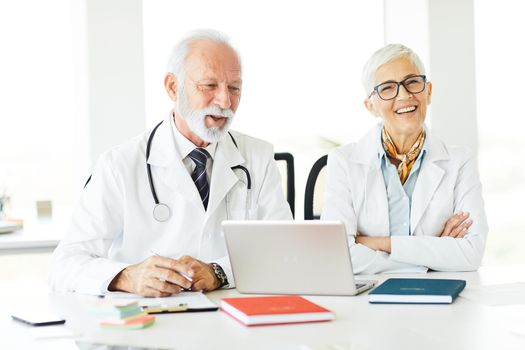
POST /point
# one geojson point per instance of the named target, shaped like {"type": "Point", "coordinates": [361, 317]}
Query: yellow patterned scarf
{"type": "Point", "coordinates": [408, 159]}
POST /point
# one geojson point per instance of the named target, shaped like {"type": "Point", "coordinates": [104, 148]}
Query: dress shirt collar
{"type": "Point", "coordinates": [185, 146]}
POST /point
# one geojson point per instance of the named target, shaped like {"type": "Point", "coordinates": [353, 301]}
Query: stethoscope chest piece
{"type": "Point", "coordinates": [161, 212]}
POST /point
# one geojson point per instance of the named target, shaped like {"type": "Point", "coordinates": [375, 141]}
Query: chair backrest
{"type": "Point", "coordinates": [313, 195]}
{"type": "Point", "coordinates": [286, 167]}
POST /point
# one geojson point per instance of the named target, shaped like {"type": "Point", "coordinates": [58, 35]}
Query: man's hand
{"type": "Point", "coordinates": [156, 276]}
{"type": "Point", "coordinates": [202, 274]}
{"type": "Point", "coordinates": [457, 226]}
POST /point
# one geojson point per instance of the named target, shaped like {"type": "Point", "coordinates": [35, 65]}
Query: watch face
{"type": "Point", "coordinates": [219, 272]}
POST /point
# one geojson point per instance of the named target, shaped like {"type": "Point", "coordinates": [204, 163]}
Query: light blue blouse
{"type": "Point", "coordinates": [399, 196]}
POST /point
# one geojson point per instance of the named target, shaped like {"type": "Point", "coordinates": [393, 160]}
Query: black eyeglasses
{"type": "Point", "coordinates": [389, 90]}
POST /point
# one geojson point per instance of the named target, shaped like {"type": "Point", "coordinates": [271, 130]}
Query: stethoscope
{"type": "Point", "coordinates": [161, 211]}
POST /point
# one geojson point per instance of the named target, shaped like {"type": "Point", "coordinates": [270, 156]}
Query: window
{"type": "Point", "coordinates": [499, 62]}
{"type": "Point", "coordinates": [37, 111]}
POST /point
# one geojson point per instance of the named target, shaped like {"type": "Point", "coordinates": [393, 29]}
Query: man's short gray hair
{"type": "Point", "coordinates": [177, 61]}
{"type": "Point", "coordinates": [383, 56]}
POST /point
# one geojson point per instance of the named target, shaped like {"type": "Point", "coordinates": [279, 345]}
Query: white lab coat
{"type": "Point", "coordinates": [113, 225]}
{"type": "Point", "coordinates": [448, 182]}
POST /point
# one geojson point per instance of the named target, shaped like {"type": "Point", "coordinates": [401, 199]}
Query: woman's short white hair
{"type": "Point", "coordinates": [177, 61]}
{"type": "Point", "coordinates": [383, 56]}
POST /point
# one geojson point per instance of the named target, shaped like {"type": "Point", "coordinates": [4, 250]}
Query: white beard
{"type": "Point", "coordinates": [196, 119]}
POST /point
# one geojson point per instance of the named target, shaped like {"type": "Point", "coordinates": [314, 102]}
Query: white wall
{"type": "Point", "coordinates": [442, 33]}
{"type": "Point", "coordinates": [452, 61]}
{"type": "Point", "coordinates": [406, 22]}
{"type": "Point", "coordinates": [115, 72]}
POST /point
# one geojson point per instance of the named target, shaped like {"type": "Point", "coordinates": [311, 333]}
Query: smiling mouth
{"type": "Point", "coordinates": [216, 117]}
{"type": "Point", "coordinates": [406, 110]}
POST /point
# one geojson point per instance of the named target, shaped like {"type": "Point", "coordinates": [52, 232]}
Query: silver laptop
{"type": "Point", "coordinates": [291, 257]}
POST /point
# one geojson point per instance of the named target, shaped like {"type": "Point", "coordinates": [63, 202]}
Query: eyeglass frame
{"type": "Point", "coordinates": [399, 83]}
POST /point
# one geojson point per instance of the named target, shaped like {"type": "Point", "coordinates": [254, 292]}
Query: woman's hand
{"type": "Point", "coordinates": [375, 243]}
{"type": "Point", "coordinates": [457, 226]}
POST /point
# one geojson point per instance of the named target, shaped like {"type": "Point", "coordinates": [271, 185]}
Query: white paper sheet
{"type": "Point", "coordinates": [193, 300]}
{"type": "Point", "coordinates": [497, 294]}
{"type": "Point", "coordinates": [519, 329]}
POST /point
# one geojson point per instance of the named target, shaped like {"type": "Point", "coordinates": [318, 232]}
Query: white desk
{"type": "Point", "coordinates": [358, 325]}
{"type": "Point", "coordinates": [38, 235]}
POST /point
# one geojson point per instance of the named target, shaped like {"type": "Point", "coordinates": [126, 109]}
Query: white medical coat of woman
{"type": "Point", "coordinates": [113, 225]}
{"type": "Point", "coordinates": [448, 182]}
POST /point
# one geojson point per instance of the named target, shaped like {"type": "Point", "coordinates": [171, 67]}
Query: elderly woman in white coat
{"type": "Point", "coordinates": [408, 201]}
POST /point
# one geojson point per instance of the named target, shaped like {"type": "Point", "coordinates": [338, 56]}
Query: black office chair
{"type": "Point", "coordinates": [290, 178]}
{"type": "Point", "coordinates": [309, 194]}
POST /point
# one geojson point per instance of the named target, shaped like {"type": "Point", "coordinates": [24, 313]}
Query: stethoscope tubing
{"type": "Point", "coordinates": [161, 211]}
{"type": "Point", "coordinates": [148, 167]}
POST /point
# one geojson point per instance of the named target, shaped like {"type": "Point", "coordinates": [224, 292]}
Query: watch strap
{"type": "Point", "coordinates": [219, 273]}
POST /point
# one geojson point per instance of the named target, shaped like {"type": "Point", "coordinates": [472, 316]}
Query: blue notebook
{"type": "Point", "coordinates": [416, 291]}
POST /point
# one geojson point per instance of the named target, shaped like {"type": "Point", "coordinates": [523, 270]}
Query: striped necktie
{"type": "Point", "coordinates": [199, 157]}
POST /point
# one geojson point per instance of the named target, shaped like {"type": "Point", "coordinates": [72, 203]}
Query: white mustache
{"type": "Point", "coordinates": [216, 111]}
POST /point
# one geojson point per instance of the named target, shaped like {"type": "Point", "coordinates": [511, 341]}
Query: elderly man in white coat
{"type": "Point", "coordinates": [149, 219]}
{"type": "Point", "coordinates": [409, 202]}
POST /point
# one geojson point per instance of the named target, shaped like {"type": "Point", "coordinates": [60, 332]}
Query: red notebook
{"type": "Point", "coordinates": [254, 311]}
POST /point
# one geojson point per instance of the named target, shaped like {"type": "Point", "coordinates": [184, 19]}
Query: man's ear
{"type": "Point", "coordinates": [371, 107]}
{"type": "Point", "coordinates": [170, 84]}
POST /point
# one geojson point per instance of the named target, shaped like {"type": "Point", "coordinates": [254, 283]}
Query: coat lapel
{"type": "Point", "coordinates": [223, 178]}
{"type": "Point", "coordinates": [428, 180]}
{"type": "Point", "coordinates": [168, 170]}
{"type": "Point", "coordinates": [375, 203]}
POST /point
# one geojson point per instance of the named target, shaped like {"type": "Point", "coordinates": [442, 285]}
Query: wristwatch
{"type": "Point", "coordinates": [219, 273]}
